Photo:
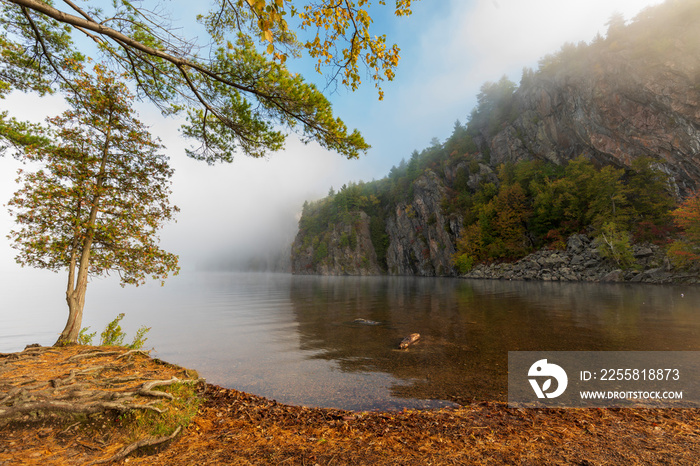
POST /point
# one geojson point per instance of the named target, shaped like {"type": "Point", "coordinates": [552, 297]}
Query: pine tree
{"type": "Point", "coordinates": [101, 195]}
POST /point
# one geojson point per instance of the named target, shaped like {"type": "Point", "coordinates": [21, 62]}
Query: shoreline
{"type": "Point", "coordinates": [580, 261]}
{"type": "Point", "coordinates": [233, 427]}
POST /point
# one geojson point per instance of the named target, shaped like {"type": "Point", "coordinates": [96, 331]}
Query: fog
{"type": "Point", "coordinates": [232, 213]}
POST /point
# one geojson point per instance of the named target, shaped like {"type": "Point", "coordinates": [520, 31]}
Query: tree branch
{"type": "Point", "coordinates": [121, 38]}
{"type": "Point", "coordinates": [40, 39]}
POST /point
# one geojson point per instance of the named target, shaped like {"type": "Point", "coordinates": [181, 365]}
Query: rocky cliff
{"type": "Point", "coordinates": [616, 104]}
{"type": "Point", "coordinates": [634, 93]}
{"type": "Point", "coordinates": [418, 242]}
{"type": "Point", "coordinates": [344, 249]}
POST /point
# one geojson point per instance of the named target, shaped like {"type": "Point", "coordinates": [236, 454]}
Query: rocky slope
{"type": "Point", "coordinates": [418, 243]}
{"type": "Point", "coordinates": [581, 262]}
{"type": "Point", "coordinates": [618, 104]}
{"type": "Point", "coordinates": [635, 93]}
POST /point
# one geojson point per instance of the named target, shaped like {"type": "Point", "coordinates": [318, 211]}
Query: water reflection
{"type": "Point", "coordinates": [468, 326]}
{"type": "Point", "coordinates": [294, 339]}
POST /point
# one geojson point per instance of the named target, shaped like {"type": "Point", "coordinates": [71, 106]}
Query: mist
{"type": "Point", "coordinates": [232, 214]}
{"type": "Point", "coordinates": [238, 216]}
{"type": "Point", "coordinates": [247, 210]}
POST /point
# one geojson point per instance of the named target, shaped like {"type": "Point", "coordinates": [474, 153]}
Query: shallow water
{"type": "Point", "coordinates": [295, 339]}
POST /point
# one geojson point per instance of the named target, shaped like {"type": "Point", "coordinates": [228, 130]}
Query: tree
{"type": "Point", "coordinates": [616, 25]}
{"type": "Point", "coordinates": [651, 200]}
{"type": "Point", "coordinates": [494, 107]}
{"type": "Point", "coordinates": [237, 92]}
{"type": "Point", "coordinates": [512, 211]}
{"type": "Point", "coordinates": [686, 250]}
{"type": "Point", "coordinates": [579, 175]}
{"type": "Point", "coordinates": [614, 243]}
{"type": "Point", "coordinates": [102, 194]}
{"type": "Point", "coordinates": [608, 197]}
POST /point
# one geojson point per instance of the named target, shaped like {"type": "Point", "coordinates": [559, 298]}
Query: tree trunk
{"type": "Point", "coordinates": [76, 303]}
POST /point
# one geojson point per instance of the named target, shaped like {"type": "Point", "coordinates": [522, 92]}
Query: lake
{"type": "Point", "coordinates": [294, 338]}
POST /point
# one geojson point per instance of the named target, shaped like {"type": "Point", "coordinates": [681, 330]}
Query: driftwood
{"type": "Point", "coordinates": [409, 340]}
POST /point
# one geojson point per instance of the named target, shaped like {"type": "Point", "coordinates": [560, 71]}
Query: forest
{"type": "Point", "coordinates": [522, 207]}
{"type": "Point", "coordinates": [503, 208]}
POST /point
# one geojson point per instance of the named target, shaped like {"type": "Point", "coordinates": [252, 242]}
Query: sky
{"type": "Point", "coordinates": [449, 49]}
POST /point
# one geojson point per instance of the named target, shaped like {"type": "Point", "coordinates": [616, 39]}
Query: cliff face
{"type": "Point", "coordinates": [346, 249]}
{"type": "Point", "coordinates": [613, 101]}
{"type": "Point", "coordinates": [633, 94]}
{"type": "Point", "coordinates": [419, 243]}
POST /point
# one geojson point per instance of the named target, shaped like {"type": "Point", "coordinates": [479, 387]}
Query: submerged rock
{"type": "Point", "coordinates": [366, 322]}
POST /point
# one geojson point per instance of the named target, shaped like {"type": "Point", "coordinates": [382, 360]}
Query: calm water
{"type": "Point", "coordinates": [293, 338]}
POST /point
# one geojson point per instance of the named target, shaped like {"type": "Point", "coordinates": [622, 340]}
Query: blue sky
{"type": "Point", "coordinates": [449, 49]}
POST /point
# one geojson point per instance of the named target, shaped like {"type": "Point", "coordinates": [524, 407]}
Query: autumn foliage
{"type": "Point", "coordinates": [539, 204]}
{"type": "Point", "coordinates": [686, 250]}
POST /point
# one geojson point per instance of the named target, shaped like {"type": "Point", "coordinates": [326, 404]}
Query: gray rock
{"type": "Point", "coordinates": [576, 244]}
{"type": "Point", "coordinates": [419, 243]}
{"type": "Point", "coordinates": [642, 252]}
{"type": "Point", "coordinates": [614, 276]}
{"type": "Point", "coordinates": [568, 274]}
{"type": "Point", "coordinates": [555, 260]}
{"type": "Point", "coordinates": [667, 264]}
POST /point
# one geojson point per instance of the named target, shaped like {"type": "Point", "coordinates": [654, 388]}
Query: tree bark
{"type": "Point", "coordinates": [76, 303]}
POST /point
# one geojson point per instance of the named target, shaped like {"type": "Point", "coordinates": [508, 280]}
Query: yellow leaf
{"type": "Point", "coordinates": [268, 35]}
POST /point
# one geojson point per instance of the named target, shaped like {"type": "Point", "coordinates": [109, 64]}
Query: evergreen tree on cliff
{"type": "Point", "coordinates": [101, 195]}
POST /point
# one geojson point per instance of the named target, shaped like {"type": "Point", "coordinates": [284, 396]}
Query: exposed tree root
{"type": "Point", "coordinates": [87, 391]}
{"type": "Point", "coordinates": [140, 444]}
{"type": "Point", "coordinates": [93, 354]}
{"type": "Point", "coordinates": [69, 407]}
{"type": "Point", "coordinates": [134, 351]}
{"type": "Point", "coordinates": [64, 382]}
